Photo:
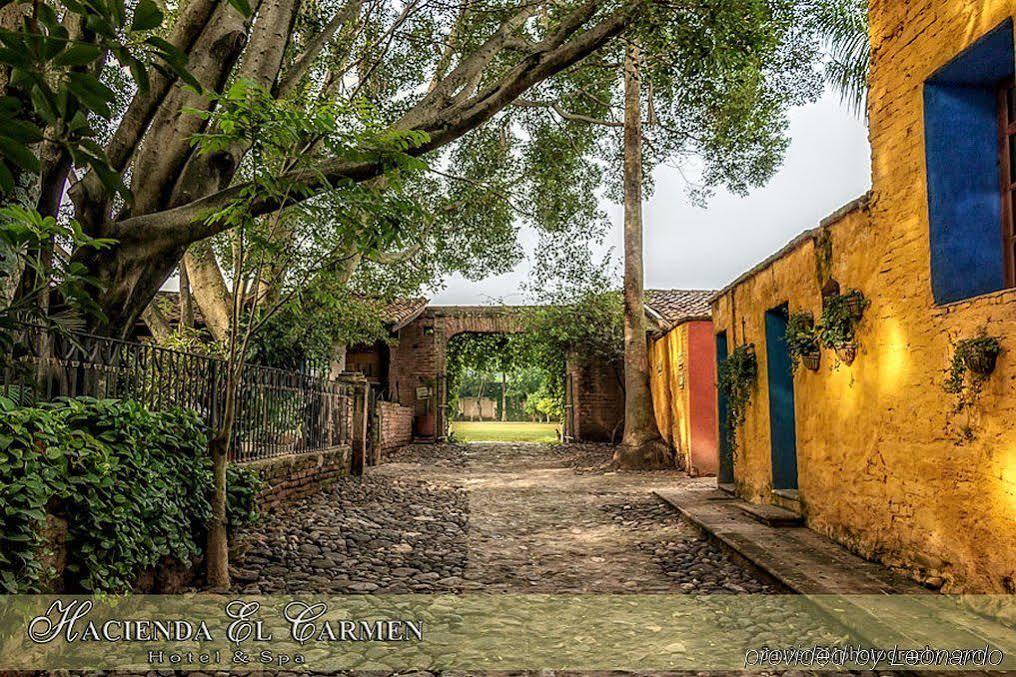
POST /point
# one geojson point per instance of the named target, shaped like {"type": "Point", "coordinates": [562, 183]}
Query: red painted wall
{"type": "Point", "coordinates": [702, 393]}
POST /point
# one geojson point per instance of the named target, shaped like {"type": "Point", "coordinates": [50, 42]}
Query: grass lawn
{"type": "Point", "coordinates": [511, 431]}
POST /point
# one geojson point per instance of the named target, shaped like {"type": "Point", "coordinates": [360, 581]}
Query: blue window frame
{"type": "Point", "coordinates": [965, 202]}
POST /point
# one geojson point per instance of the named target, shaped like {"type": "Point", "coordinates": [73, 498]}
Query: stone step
{"type": "Point", "coordinates": [771, 515]}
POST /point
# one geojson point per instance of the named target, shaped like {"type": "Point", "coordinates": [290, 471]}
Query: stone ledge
{"type": "Point", "coordinates": [771, 515]}
{"type": "Point", "coordinates": [295, 476]}
{"type": "Point", "coordinates": [798, 558]}
{"type": "Point", "coordinates": [841, 585]}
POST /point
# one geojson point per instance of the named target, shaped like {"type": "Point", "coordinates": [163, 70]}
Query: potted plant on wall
{"type": "Point", "coordinates": [972, 363]}
{"type": "Point", "coordinates": [840, 315]}
{"type": "Point", "coordinates": [974, 357]}
{"type": "Point", "coordinates": [802, 341]}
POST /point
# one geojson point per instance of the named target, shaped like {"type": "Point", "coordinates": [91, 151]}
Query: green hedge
{"type": "Point", "coordinates": [134, 486]}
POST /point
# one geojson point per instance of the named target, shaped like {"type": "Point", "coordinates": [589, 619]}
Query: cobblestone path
{"type": "Point", "coordinates": [498, 517]}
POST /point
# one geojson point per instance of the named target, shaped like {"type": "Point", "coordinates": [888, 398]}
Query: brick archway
{"type": "Point", "coordinates": [419, 359]}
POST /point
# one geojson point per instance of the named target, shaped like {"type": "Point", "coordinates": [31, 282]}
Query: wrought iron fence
{"type": "Point", "coordinates": [278, 411]}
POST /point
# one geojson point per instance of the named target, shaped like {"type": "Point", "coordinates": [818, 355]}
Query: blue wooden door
{"type": "Point", "coordinates": [782, 429]}
{"type": "Point", "coordinates": [726, 474]}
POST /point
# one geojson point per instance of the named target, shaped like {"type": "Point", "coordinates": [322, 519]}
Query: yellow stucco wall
{"type": "Point", "coordinates": [882, 464]}
{"type": "Point", "coordinates": [668, 379]}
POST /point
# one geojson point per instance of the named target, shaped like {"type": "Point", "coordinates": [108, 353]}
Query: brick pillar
{"type": "Point", "coordinates": [359, 428]}
{"type": "Point", "coordinates": [597, 401]}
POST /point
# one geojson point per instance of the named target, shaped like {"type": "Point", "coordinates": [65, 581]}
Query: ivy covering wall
{"type": "Point", "coordinates": [132, 485]}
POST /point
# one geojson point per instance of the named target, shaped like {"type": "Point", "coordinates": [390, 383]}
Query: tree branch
{"type": "Point", "coordinates": [566, 114]}
{"type": "Point", "coordinates": [90, 197]}
{"type": "Point", "coordinates": [193, 221]}
{"type": "Point", "coordinates": [303, 63]}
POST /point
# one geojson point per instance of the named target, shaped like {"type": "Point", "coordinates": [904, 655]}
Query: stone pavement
{"type": "Point", "coordinates": [497, 518]}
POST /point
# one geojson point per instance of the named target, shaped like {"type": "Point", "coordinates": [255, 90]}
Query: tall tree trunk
{"type": "Point", "coordinates": [217, 551]}
{"type": "Point", "coordinates": [157, 323]}
{"type": "Point", "coordinates": [641, 444]}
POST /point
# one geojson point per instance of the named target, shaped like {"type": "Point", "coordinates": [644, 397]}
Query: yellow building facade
{"type": "Point", "coordinates": [884, 462]}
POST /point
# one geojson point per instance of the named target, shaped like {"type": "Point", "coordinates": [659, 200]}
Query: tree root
{"type": "Point", "coordinates": [650, 455]}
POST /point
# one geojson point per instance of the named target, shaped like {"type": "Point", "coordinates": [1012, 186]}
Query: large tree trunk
{"type": "Point", "coordinates": [186, 299]}
{"type": "Point", "coordinates": [641, 445]}
{"type": "Point", "coordinates": [157, 323]}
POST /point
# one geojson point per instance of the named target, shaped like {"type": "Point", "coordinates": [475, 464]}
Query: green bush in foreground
{"type": "Point", "coordinates": [132, 484]}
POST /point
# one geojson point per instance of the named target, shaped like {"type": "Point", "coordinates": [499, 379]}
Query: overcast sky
{"type": "Point", "coordinates": [692, 247]}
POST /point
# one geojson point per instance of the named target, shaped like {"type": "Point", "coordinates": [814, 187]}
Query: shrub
{"type": "Point", "coordinates": [133, 485]}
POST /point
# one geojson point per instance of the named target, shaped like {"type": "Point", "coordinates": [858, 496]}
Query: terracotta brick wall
{"type": "Point", "coordinates": [598, 401]}
{"type": "Point", "coordinates": [395, 423]}
{"type": "Point", "coordinates": [299, 475]}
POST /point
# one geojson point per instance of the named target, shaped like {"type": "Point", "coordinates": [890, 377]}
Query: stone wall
{"type": "Point", "coordinates": [395, 426]}
{"type": "Point", "coordinates": [477, 408]}
{"type": "Point", "coordinates": [298, 475]}
{"type": "Point", "coordinates": [886, 465]}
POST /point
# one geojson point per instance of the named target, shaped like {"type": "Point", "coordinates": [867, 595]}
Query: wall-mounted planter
{"type": "Point", "coordinates": [811, 361]}
{"type": "Point", "coordinates": [802, 341]}
{"type": "Point", "coordinates": [840, 317]}
{"type": "Point", "coordinates": [854, 304]}
{"type": "Point", "coordinates": [846, 353]}
{"type": "Point", "coordinates": [978, 355]}
{"type": "Point", "coordinates": [982, 363]}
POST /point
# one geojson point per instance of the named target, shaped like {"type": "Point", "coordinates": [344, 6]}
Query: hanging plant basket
{"type": "Point", "coordinates": [838, 326]}
{"type": "Point", "coordinates": [854, 303]}
{"type": "Point", "coordinates": [979, 355]}
{"type": "Point", "coordinates": [811, 361]}
{"type": "Point", "coordinates": [802, 341]}
{"type": "Point", "coordinates": [846, 353]}
{"type": "Point", "coordinates": [982, 364]}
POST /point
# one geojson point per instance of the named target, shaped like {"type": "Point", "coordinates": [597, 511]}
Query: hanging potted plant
{"type": "Point", "coordinates": [802, 341]}
{"type": "Point", "coordinates": [972, 362]}
{"type": "Point", "coordinates": [977, 356]}
{"type": "Point", "coordinates": [735, 380]}
{"type": "Point", "coordinates": [840, 316]}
